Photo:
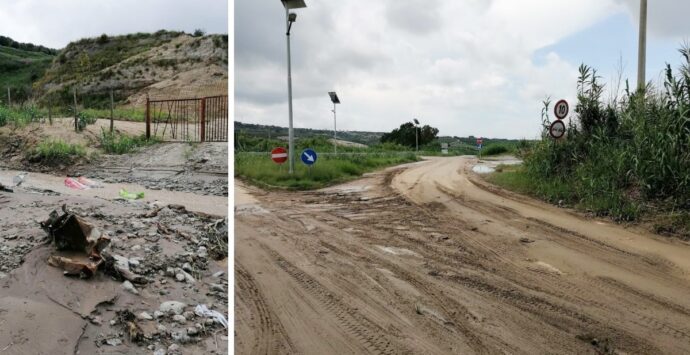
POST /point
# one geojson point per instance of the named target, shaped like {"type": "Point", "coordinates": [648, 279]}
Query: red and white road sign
{"type": "Point", "coordinates": [279, 155]}
{"type": "Point", "coordinates": [557, 129]}
{"type": "Point", "coordinates": [560, 109]}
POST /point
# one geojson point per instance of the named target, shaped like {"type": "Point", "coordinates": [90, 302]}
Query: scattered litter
{"type": "Point", "coordinates": [70, 232]}
{"type": "Point", "coordinates": [19, 178]}
{"type": "Point", "coordinates": [202, 311]}
{"type": "Point", "coordinates": [130, 195]}
{"type": "Point", "coordinates": [74, 184]}
{"type": "Point", "coordinates": [89, 183]}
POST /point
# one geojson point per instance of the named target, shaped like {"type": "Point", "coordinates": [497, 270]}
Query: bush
{"type": "Point", "coordinates": [53, 152]}
{"type": "Point", "coordinates": [198, 32]}
{"type": "Point", "coordinates": [114, 143]}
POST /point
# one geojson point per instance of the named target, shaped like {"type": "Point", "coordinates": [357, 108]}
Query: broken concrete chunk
{"type": "Point", "coordinates": [172, 307]}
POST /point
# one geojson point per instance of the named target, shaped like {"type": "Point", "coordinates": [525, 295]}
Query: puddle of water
{"type": "Point", "coordinates": [483, 169]}
{"type": "Point", "coordinates": [397, 251]}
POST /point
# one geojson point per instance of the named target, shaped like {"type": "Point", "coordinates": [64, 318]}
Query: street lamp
{"type": "Point", "coordinates": [334, 100]}
{"type": "Point", "coordinates": [642, 47]}
{"type": "Point", "coordinates": [289, 20]}
{"type": "Point", "coordinates": [416, 138]}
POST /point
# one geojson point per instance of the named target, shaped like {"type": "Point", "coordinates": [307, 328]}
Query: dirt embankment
{"type": "Point", "coordinates": [429, 259]}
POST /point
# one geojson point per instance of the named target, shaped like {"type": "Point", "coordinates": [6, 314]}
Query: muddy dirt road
{"type": "Point", "coordinates": [427, 258]}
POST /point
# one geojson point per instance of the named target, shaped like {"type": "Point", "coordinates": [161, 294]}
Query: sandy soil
{"type": "Point", "coordinates": [428, 258]}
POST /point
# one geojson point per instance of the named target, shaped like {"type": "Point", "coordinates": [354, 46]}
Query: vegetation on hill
{"type": "Point", "coordinates": [21, 64]}
{"type": "Point", "coordinates": [628, 158]}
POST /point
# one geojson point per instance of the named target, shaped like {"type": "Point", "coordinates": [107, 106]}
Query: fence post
{"type": "Point", "coordinates": [9, 97]}
{"type": "Point", "coordinates": [148, 118]}
{"type": "Point", "coordinates": [111, 110]}
{"type": "Point", "coordinates": [76, 119]}
{"type": "Point", "coordinates": [203, 119]}
{"type": "Point", "coordinates": [50, 112]}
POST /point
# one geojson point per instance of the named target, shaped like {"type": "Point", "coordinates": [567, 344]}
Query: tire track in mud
{"type": "Point", "coordinates": [271, 336]}
{"type": "Point", "coordinates": [374, 338]}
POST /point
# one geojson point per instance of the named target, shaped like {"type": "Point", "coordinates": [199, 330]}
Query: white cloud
{"type": "Point", "coordinates": [465, 67]}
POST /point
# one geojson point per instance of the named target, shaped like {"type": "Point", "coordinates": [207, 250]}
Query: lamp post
{"type": "Point", "coordinates": [289, 20]}
{"type": "Point", "coordinates": [334, 100]}
{"type": "Point", "coordinates": [642, 47]}
{"type": "Point", "coordinates": [416, 138]}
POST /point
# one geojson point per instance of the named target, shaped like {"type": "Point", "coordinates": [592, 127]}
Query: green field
{"type": "Point", "coordinates": [19, 69]}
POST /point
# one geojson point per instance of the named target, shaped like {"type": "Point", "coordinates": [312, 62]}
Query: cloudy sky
{"type": "Point", "coordinates": [54, 23]}
{"type": "Point", "coordinates": [470, 67]}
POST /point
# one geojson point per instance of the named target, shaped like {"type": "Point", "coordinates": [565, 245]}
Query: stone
{"type": "Point", "coordinates": [179, 319]}
{"type": "Point", "coordinates": [159, 352]}
{"type": "Point", "coordinates": [192, 331]}
{"type": "Point", "coordinates": [128, 286]}
{"type": "Point", "coordinates": [217, 287]}
{"type": "Point", "coordinates": [172, 307]}
{"type": "Point", "coordinates": [114, 342]}
{"type": "Point", "coordinates": [180, 277]}
{"type": "Point", "coordinates": [187, 267]}
{"type": "Point", "coordinates": [158, 314]}
{"type": "Point", "coordinates": [144, 316]}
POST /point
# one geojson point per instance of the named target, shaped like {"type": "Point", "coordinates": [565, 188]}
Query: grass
{"type": "Point", "coordinates": [115, 143]}
{"type": "Point", "coordinates": [328, 170]}
{"type": "Point", "coordinates": [56, 151]}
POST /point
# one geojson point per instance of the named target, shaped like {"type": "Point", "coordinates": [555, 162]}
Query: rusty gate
{"type": "Point", "coordinates": [188, 120]}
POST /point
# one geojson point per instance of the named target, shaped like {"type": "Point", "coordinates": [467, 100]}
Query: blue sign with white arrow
{"type": "Point", "coordinates": [308, 156]}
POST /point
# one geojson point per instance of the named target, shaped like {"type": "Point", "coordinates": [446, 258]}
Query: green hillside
{"type": "Point", "coordinates": [21, 64]}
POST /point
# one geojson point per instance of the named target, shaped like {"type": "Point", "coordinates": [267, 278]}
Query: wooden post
{"type": "Point", "coordinates": [50, 112]}
{"type": "Point", "coordinates": [203, 120]}
{"type": "Point", "coordinates": [76, 119]}
{"type": "Point", "coordinates": [9, 97]}
{"type": "Point", "coordinates": [112, 103]}
{"type": "Point", "coordinates": [148, 118]}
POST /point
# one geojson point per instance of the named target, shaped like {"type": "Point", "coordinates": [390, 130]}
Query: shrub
{"type": "Point", "coordinates": [114, 143]}
{"type": "Point", "coordinates": [53, 152]}
{"type": "Point", "coordinates": [198, 32]}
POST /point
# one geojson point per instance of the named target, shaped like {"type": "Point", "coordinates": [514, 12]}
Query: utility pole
{"type": "Point", "coordinates": [335, 135]}
{"type": "Point", "coordinates": [642, 47]}
{"type": "Point", "coordinates": [112, 103]}
{"type": "Point", "coordinates": [76, 116]}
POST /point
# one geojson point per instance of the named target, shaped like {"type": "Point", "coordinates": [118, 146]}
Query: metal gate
{"type": "Point", "coordinates": [188, 120]}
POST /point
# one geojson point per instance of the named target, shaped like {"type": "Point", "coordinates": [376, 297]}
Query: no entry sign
{"type": "Point", "coordinates": [557, 129]}
{"type": "Point", "coordinates": [561, 109]}
{"type": "Point", "coordinates": [279, 155]}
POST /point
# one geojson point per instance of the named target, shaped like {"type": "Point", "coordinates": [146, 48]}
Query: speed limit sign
{"type": "Point", "coordinates": [561, 109]}
{"type": "Point", "coordinates": [557, 129]}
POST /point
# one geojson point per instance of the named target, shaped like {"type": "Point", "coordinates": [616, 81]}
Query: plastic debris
{"type": "Point", "coordinates": [90, 183]}
{"type": "Point", "coordinates": [74, 184]}
{"type": "Point", "coordinates": [70, 232]}
{"type": "Point", "coordinates": [131, 195]}
{"type": "Point", "coordinates": [202, 311]}
{"type": "Point", "coordinates": [19, 178]}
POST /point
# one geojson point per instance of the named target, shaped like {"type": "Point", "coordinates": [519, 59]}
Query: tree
{"type": "Point", "coordinates": [198, 32]}
{"type": "Point", "coordinates": [405, 135]}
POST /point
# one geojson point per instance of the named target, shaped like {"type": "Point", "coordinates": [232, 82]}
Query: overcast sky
{"type": "Point", "coordinates": [54, 23]}
{"type": "Point", "coordinates": [470, 67]}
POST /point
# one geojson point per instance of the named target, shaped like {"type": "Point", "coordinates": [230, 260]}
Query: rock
{"type": "Point", "coordinates": [172, 307]}
{"type": "Point", "coordinates": [217, 287]}
{"type": "Point", "coordinates": [134, 262]}
{"type": "Point", "coordinates": [170, 272]}
{"type": "Point", "coordinates": [209, 322]}
{"type": "Point", "coordinates": [162, 328]}
{"type": "Point", "coordinates": [144, 316]}
{"type": "Point", "coordinates": [192, 331]}
{"type": "Point", "coordinates": [187, 267]}
{"type": "Point", "coordinates": [180, 277]}
{"type": "Point", "coordinates": [96, 320]}
{"type": "Point", "coordinates": [159, 352]}
{"type": "Point", "coordinates": [180, 337]}
{"type": "Point", "coordinates": [173, 348]}
{"type": "Point", "coordinates": [218, 274]}
{"type": "Point", "coordinates": [129, 287]}
{"type": "Point", "coordinates": [179, 319]}
{"type": "Point", "coordinates": [114, 342]}
{"type": "Point", "coordinates": [136, 247]}
{"type": "Point", "coordinates": [188, 314]}
{"type": "Point", "coordinates": [158, 314]}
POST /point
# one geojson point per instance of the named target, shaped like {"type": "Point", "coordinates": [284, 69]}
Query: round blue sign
{"type": "Point", "coordinates": [308, 156]}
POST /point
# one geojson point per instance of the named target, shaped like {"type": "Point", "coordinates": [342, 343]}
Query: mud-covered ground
{"type": "Point", "coordinates": [173, 243]}
{"type": "Point", "coordinates": [428, 258]}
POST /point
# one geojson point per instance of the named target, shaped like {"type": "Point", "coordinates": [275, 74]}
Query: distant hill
{"type": "Point", "coordinates": [363, 137]}
{"type": "Point", "coordinates": [21, 64]}
{"type": "Point", "coordinates": [258, 130]}
{"type": "Point", "coordinates": [164, 64]}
